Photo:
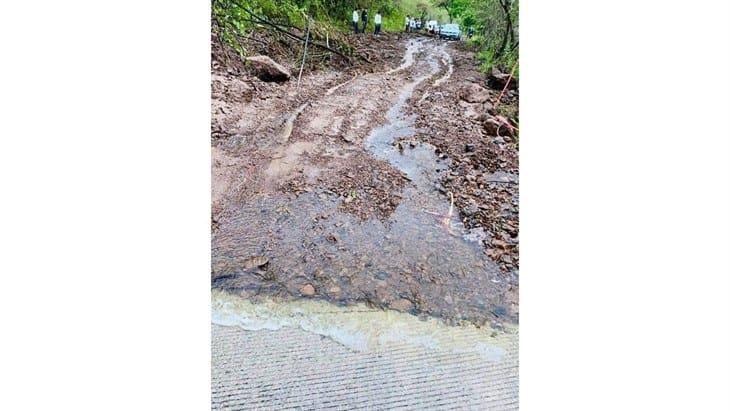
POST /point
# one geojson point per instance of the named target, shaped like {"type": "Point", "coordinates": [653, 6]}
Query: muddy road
{"type": "Point", "coordinates": [340, 190]}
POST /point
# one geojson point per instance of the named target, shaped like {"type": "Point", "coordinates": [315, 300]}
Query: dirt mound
{"type": "Point", "coordinates": [375, 53]}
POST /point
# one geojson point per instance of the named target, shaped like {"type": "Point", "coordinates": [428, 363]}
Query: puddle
{"type": "Point", "coordinates": [418, 161]}
{"type": "Point", "coordinates": [448, 62]}
{"type": "Point", "coordinates": [360, 328]}
{"type": "Point", "coordinates": [420, 260]}
{"type": "Point", "coordinates": [412, 47]}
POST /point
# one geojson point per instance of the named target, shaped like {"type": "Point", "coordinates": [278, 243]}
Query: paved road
{"type": "Point", "coordinates": [383, 360]}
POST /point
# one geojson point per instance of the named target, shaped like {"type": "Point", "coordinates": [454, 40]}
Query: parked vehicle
{"type": "Point", "coordinates": [450, 31]}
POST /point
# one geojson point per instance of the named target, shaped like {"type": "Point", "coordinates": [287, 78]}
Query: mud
{"type": "Point", "coordinates": [336, 194]}
{"type": "Point", "coordinates": [484, 168]}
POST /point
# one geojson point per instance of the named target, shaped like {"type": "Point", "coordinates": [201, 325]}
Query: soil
{"type": "Point", "coordinates": [484, 168]}
{"type": "Point", "coordinates": [342, 188]}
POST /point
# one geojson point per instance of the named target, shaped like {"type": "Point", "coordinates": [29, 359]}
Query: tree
{"type": "Point", "coordinates": [422, 9]}
{"type": "Point", "coordinates": [453, 8]}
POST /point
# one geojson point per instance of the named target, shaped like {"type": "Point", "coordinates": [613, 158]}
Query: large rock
{"type": "Point", "coordinates": [496, 126]}
{"type": "Point", "coordinates": [497, 80]}
{"type": "Point", "coordinates": [267, 69]}
{"type": "Point", "coordinates": [474, 93]}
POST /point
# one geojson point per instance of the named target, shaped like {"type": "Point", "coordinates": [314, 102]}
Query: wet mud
{"type": "Point", "coordinates": [349, 208]}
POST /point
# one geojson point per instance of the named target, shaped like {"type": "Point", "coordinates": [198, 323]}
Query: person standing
{"type": "Point", "coordinates": [364, 20]}
{"type": "Point", "coordinates": [378, 21]}
{"type": "Point", "coordinates": [355, 20]}
{"type": "Point", "coordinates": [408, 22]}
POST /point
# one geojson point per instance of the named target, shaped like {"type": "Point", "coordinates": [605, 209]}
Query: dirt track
{"type": "Point", "coordinates": [342, 190]}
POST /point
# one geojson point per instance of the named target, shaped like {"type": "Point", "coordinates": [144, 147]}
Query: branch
{"type": "Point", "coordinates": [294, 36]}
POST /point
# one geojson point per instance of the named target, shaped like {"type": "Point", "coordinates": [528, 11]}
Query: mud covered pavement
{"type": "Point", "coordinates": [367, 187]}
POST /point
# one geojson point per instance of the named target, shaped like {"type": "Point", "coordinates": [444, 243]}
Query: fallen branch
{"type": "Point", "coordinates": [294, 36]}
{"type": "Point", "coordinates": [304, 57]}
{"type": "Point", "coordinates": [511, 73]}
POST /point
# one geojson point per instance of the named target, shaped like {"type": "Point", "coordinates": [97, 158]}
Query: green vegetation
{"type": "Point", "coordinates": [495, 22]}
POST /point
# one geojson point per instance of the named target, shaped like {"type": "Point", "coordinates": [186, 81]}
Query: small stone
{"type": "Point", "coordinates": [402, 305]}
{"type": "Point", "coordinates": [470, 210]}
{"type": "Point", "coordinates": [307, 290]}
{"type": "Point", "coordinates": [255, 261]}
{"type": "Point", "coordinates": [469, 148]}
{"type": "Point", "coordinates": [382, 275]}
{"type": "Point", "coordinates": [496, 325]}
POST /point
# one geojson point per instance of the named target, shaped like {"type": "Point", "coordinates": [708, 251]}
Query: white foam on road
{"type": "Point", "coordinates": [360, 328]}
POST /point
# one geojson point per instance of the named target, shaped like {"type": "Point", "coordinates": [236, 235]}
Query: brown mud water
{"type": "Point", "coordinates": [418, 259]}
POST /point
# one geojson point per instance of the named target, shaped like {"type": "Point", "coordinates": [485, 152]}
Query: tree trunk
{"type": "Point", "coordinates": [508, 31]}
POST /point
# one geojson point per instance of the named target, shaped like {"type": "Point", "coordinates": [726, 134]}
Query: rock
{"type": "Point", "coordinates": [472, 112]}
{"type": "Point", "coordinates": [238, 91]}
{"type": "Point", "coordinates": [494, 127]}
{"type": "Point", "coordinates": [470, 210]}
{"type": "Point", "coordinates": [401, 305]}
{"type": "Point", "coordinates": [474, 93]}
{"type": "Point", "coordinates": [267, 69]}
{"type": "Point", "coordinates": [491, 126]}
{"type": "Point", "coordinates": [307, 290]}
{"type": "Point", "coordinates": [382, 275]}
{"type": "Point", "coordinates": [469, 148]}
{"type": "Point", "coordinates": [497, 80]}
{"type": "Point", "coordinates": [255, 261]}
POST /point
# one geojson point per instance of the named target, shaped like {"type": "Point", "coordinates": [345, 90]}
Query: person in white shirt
{"type": "Point", "coordinates": [378, 20]}
{"type": "Point", "coordinates": [355, 20]}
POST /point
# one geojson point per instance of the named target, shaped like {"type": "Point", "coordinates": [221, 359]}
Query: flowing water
{"type": "Point", "coordinates": [421, 259]}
